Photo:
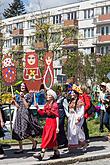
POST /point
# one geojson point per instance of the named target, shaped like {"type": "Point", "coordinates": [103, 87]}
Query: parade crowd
{"type": "Point", "coordinates": [65, 112]}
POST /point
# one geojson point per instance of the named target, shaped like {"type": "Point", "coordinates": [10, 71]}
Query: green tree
{"type": "Point", "coordinates": [103, 67]}
{"type": "Point", "coordinates": [15, 8]}
{"type": "Point", "coordinates": [79, 65]}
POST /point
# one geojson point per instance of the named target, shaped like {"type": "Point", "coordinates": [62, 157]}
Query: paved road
{"type": "Point", "coordinates": [96, 162]}
{"type": "Point", "coordinates": [99, 148]}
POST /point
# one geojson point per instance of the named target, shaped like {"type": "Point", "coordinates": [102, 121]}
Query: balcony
{"type": "Point", "coordinates": [39, 45]}
{"type": "Point", "coordinates": [103, 39]}
{"type": "Point", "coordinates": [17, 32]}
{"type": "Point", "coordinates": [102, 19]}
{"type": "Point", "coordinates": [69, 42]}
{"type": "Point", "coordinates": [70, 23]}
{"type": "Point", "coordinates": [17, 48]}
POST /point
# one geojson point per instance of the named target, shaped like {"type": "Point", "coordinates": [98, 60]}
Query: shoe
{"type": "Point", "coordinates": [2, 156]}
{"type": "Point", "coordinates": [38, 156]}
{"type": "Point", "coordinates": [55, 156]}
{"type": "Point", "coordinates": [18, 152]}
{"type": "Point", "coordinates": [34, 146]}
{"type": "Point", "coordinates": [84, 148]}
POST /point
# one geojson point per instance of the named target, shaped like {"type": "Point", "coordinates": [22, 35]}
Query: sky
{"type": "Point", "coordinates": [33, 5]}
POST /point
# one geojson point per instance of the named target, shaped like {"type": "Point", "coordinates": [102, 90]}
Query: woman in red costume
{"type": "Point", "coordinates": [51, 128]}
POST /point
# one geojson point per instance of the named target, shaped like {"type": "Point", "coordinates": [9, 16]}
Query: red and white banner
{"type": "Point", "coordinates": [48, 76]}
{"type": "Point", "coordinates": [8, 69]}
{"type": "Point", "coordinates": [31, 73]}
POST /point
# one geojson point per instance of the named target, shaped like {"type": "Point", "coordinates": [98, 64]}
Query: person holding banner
{"type": "Point", "coordinates": [22, 127]}
{"type": "Point", "coordinates": [51, 128]}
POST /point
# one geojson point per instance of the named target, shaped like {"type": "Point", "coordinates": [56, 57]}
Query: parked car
{"type": "Point", "coordinates": [9, 113]}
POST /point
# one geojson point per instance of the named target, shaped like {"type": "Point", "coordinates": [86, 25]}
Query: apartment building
{"type": "Point", "coordinates": [83, 26]}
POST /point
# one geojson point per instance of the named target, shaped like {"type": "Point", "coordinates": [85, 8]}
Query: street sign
{"type": "Point", "coordinates": [61, 78]}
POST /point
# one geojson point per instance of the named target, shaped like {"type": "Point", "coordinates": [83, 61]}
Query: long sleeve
{"type": "Point", "coordinates": [66, 107]}
{"type": "Point", "coordinates": [80, 112]}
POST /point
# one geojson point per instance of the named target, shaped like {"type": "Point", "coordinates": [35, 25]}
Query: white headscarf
{"type": "Point", "coordinates": [52, 93]}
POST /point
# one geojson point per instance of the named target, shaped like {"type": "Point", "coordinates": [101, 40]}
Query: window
{"type": "Point", "coordinates": [102, 50]}
{"type": "Point", "coordinates": [89, 32]}
{"type": "Point", "coordinates": [71, 15]}
{"type": "Point", "coordinates": [102, 30]}
{"type": "Point", "coordinates": [18, 41]}
{"type": "Point", "coordinates": [57, 19]}
{"type": "Point", "coordinates": [55, 72]}
{"type": "Point", "coordinates": [107, 30]}
{"type": "Point", "coordinates": [88, 13]}
{"type": "Point", "coordinates": [92, 32]}
{"type": "Point", "coordinates": [102, 10]}
{"type": "Point", "coordinates": [105, 10]}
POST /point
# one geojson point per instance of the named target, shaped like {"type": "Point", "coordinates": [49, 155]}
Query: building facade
{"type": "Point", "coordinates": [83, 26]}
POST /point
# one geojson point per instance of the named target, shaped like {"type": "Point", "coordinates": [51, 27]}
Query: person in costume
{"type": "Point", "coordinates": [76, 136]}
{"type": "Point", "coordinates": [63, 112]}
{"type": "Point", "coordinates": [22, 126]}
{"type": "Point", "coordinates": [51, 128]}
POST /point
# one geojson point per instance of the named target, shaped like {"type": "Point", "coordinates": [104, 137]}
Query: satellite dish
{"type": "Point", "coordinates": [108, 75]}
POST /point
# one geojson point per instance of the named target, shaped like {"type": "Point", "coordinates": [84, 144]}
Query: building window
{"type": "Point", "coordinates": [88, 13]}
{"type": "Point", "coordinates": [71, 15]}
{"type": "Point", "coordinates": [102, 10]}
{"type": "Point", "coordinates": [89, 32]}
{"type": "Point", "coordinates": [105, 10]}
{"type": "Point", "coordinates": [57, 19]}
{"type": "Point", "coordinates": [102, 50]}
{"type": "Point", "coordinates": [92, 32]}
{"type": "Point", "coordinates": [55, 72]}
{"type": "Point", "coordinates": [18, 41]}
{"type": "Point", "coordinates": [102, 30]}
{"type": "Point", "coordinates": [107, 30]}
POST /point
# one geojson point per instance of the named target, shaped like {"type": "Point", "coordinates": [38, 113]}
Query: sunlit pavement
{"type": "Point", "coordinates": [99, 148]}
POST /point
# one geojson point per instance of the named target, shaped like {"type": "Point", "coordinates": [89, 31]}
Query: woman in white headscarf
{"type": "Point", "coordinates": [51, 128]}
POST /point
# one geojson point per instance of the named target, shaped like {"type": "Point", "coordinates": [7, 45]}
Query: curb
{"type": "Point", "coordinates": [71, 160]}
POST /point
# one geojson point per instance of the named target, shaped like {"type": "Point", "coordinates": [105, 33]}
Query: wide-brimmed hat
{"type": "Point", "coordinates": [77, 89]}
{"type": "Point", "coordinates": [52, 93]}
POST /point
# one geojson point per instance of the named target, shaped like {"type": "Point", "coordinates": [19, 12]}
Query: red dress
{"type": "Point", "coordinates": [49, 136]}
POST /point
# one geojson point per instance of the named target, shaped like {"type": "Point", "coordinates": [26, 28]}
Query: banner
{"type": "Point", "coordinates": [8, 69]}
{"type": "Point", "coordinates": [31, 73]}
{"type": "Point", "coordinates": [48, 76]}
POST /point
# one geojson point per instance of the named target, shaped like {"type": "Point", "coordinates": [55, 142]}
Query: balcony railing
{"type": "Point", "coordinates": [69, 41]}
{"type": "Point", "coordinates": [104, 39]}
{"type": "Point", "coordinates": [104, 17]}
{"type": "Point", "coordinates": [17, 48]}
{"type": "Point", "coordinates": [39, 45]}
{"type": "Point", "coordinates": [69, 23]}
{"type": "Point", "coordinates": [17, 32]}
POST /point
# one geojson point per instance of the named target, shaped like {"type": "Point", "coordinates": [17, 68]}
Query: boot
{"type": "Point", "coordinates": [39, 156]}
{"type": "Point", "coordinates": [56, 155]}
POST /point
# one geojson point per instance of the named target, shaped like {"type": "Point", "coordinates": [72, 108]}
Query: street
{"type": "Point", "coordinates": [96, 162]}
{"type": "Point", "coordinates": [98, 151]}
